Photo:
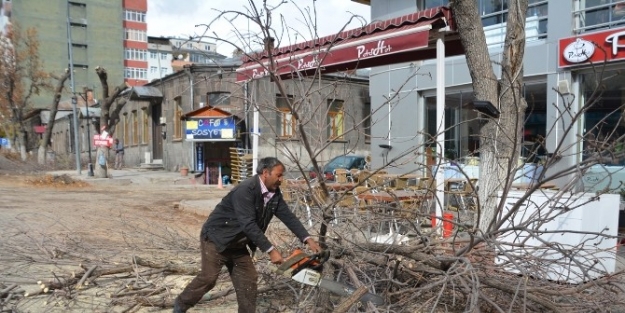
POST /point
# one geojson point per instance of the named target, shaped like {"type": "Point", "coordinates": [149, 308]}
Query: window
{"type": "Point", "coordinates": [216, 99]}
{"type": "Point", "coordinates": [190, 45]}
{"type": "Point", "coordinates": [177, 118]}
{"type": "Point", "coordinates": [136, 73]}
{"type": "Point", "coordinates": [152, 55]}
{"type": "Point", "coordinates": [145, 118]}
{"type": "Point", "coordinates": [163, 56]}
{"type": "Point", "coordinates": [135, 127]}
{"type": "Point", "coordinates": [335, 119]}
{"type": "Point", "coordinates": [599, 14]}
{"type": "Point", "coordinates": [286, 121]}
{"type": "Point", "coordinates": [366, 124]}
{"type": "Point", "coordinates": [126, 129]}
{"type": "Point", "coordinates": [207, 47]}
{"type": "Point", "coordinates": [135, 54]}
{"type": "Point", "coordinates": [163, 71]}
{"type": "Point", "coordinates": [495, 14]}
{"type": "Point", "coordinates": [153, 69]}
{"type": "Point", "coordinates": [134, 16]}
{"type": "Point", "coordinates": [136, 35]}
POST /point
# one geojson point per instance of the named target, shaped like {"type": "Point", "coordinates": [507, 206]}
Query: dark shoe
{"type": "Point", "coordinates": [178, 307]}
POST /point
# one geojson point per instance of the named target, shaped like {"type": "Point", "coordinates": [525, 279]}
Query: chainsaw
{"type": "Point", "coordinates": [306, 269]}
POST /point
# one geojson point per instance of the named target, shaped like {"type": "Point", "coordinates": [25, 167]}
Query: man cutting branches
{"type": "Point", "coordinates": [238, 221]}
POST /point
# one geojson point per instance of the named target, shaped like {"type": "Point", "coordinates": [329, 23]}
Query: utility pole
{"type": "Point", "coordinates": [71, 76]}
{"type": "Point", "coordinates": [90, 165]}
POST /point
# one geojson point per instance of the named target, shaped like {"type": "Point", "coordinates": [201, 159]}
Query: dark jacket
{"type": "Point", "coordinates": [241, 215]}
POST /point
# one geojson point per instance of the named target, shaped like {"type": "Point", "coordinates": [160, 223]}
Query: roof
{"type": "Point", "coordinates": [207, 111]}
{"type": "Point", "coordinates": [93, 112]}
{"type": "Point", "coordinates": [145, 93]}
{"type": "Point", "coordinates": [371, 28]}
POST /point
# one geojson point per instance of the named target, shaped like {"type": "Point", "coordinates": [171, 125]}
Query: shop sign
{"type": "Point", "coordinates": [102, 140]}
{"type": "Point", "coordinates": [199, 157]}
{"type": "Point", "coordinates": [594, 47]}
{"type": "Point", "coordinates": [214, 128]}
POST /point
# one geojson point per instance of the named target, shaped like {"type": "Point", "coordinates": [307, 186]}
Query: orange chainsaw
{"type": "Point", "coordinates": [306, 269]}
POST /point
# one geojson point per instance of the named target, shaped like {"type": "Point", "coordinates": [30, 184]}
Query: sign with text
{"type": "Point", "coordinates": [98, 141]}
{"type": "Point", "coordinates": [211, 129]}
{"type": "Point", "coordinates": [599, 47]}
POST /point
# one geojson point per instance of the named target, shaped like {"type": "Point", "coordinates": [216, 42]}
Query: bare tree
{"type": "Point", "coordinates": [112, 103]}
{"type": "Point", "coordinates": [54, 106]}
{"type": "Point", "coordinates": [22, 78]}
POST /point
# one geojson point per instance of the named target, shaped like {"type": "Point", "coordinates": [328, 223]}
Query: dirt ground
{"type": "Point", "coordinates": [50, 226]}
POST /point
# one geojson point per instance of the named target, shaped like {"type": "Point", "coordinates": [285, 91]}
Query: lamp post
{"type": "Point", "coordinates": [90, 165]}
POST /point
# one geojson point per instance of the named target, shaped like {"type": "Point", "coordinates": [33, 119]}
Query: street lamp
{"type": "Point", "coordinates": [90, 165]}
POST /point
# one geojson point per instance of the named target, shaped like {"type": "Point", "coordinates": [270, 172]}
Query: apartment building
{"type": "Point", "coordinates": [159, 58]}
{"type": "Point", "coordinates": [135, 42]}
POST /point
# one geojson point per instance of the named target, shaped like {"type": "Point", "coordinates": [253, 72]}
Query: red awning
{"type": "Point", "coordinates": [379, 43]}
{"type": "Point", "coordinates": [40, 129]}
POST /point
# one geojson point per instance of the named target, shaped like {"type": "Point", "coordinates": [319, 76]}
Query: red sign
{"type": "Point", "coordinates": [106, 142]}
{"type": "Point", "coordinates": [596, 47]}
{"type": "Point", "coordinates": [345, 54]}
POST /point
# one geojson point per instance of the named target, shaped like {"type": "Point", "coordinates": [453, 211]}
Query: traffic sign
{"type": "Point", "coordinates": [98, 141]}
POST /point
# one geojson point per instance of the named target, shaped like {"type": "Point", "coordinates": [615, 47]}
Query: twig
{"type": "Point", "coordinates": [7, 289]}
{"type": "Point", "coordinates": [85, 276]}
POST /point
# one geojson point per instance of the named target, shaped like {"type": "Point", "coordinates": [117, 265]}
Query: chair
{"type": "Point", "coordinates": [460, 193]}
{"type": "Point", "coordinates": [340, 175]}
{"type": "Point", "coordinates": [354, 172]}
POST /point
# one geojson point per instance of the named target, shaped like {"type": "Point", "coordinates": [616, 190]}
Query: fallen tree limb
{"type": "Point", "coordinates": [7, 289]}
{"type": "Point", "coordinates": [169, 267]}
{"type": "Point", "coordinates": [351, 300]}
{"type": "Point", "coordinates": [85, 276]}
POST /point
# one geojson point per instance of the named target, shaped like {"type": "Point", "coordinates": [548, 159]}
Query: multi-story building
{"type": "Point", "coordinates": [159, 58]}
{"type": "Point", "coordinates": [135, 42]}
{"type": "Point", "coordinates": [97, 33]}
{"type": "Point", "coordinates": [195, 51]}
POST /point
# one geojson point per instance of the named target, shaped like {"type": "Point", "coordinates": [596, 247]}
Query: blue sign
{"type": "Point", "coordinates": [4, 142]}
{"type": "Point", "coordinates": [199, 155]}
{"type": "Point", "coordinates": [216, 128]}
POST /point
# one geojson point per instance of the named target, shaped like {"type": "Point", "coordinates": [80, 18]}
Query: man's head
{"type": "Point", "coordinates": [271, 171]}
{"type": "Point", "coordinates": [116, 140]}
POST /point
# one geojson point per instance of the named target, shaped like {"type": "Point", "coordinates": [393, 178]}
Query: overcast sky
{"type": "Point", "coordinates": [178, 18]}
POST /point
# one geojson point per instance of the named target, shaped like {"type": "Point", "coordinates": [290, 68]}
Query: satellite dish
{"type": "Point", "coordinates": [180, 56]}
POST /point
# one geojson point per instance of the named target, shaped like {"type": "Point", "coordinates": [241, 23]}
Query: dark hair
{"type": "Point", "coordinates": [267, 163]}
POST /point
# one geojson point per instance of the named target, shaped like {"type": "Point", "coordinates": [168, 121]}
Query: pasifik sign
{"type": "Point", "coordinates": [599, 47]}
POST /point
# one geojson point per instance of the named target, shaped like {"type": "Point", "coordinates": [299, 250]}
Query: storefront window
{"type": "Point", "coordinates": [463, 125]}
{"type": "Point", "coordinates": [603, 119]}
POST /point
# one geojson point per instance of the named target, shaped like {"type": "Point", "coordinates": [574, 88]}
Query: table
{"type": "Point", "coordinates": [388, 197]}
{"type": "Point", "coordinates": [546, 185]}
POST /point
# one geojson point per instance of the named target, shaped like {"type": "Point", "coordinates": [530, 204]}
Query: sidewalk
{"type": "Point", "coordinates": [134, 176]}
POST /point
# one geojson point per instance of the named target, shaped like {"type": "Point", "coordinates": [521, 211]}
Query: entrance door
{"type": "Point", "coordinates": [157, 136]}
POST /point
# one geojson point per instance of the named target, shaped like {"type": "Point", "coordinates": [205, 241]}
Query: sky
{"type": "Point", "coordinates": [177, 18]}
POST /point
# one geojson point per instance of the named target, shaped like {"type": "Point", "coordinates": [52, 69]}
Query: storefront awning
{"type": "Point", "coordinates": [401, 39]}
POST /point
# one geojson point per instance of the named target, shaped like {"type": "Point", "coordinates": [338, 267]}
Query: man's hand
{"type": "Point", "coordinates": [313, 245]}
{"type": "Point", "coordinates": [275, 256]}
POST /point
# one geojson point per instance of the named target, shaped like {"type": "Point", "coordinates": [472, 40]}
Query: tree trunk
{"type": "Point", "coordinates": [101, 164]}
{"type": "Point", "coordinates": [41, 156]}
{"type": "Point", "coordinates": [21, 137]}
{"type": "Point", "coordinates": [499, 137]}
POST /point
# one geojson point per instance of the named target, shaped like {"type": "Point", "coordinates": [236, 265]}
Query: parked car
{"type": "Point", "coordinates": [343, 161]}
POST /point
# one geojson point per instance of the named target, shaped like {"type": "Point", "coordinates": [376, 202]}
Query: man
{"type": "Point", "coordinates": [119, 154]}
{"type": "Point", "coordinates": [238, 221]}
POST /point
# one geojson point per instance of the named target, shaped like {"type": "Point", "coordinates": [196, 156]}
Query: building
{"type": "Point", "coordinates": [195, 51]}
{"type": "Point", "coordinates": [97, 32]}
{"type": "Point", "coordinates": [159, 58]}
{"type": "Point", "coordinates": [135, 42]}
{"type": "Point", "coordinates": [173, 124]}
{"type": "Point", "coordinates": [553, 61]}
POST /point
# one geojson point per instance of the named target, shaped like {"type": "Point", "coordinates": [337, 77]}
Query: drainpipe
{"type": "Point", "coordinates": [191, 86]}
